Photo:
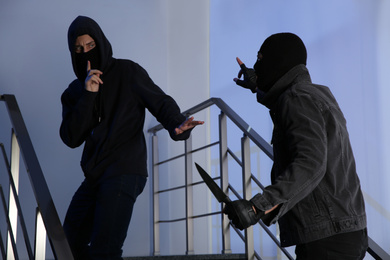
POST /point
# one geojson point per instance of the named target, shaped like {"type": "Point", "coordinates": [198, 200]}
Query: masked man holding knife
{"type": "Point", "coordinates": [315, 194]}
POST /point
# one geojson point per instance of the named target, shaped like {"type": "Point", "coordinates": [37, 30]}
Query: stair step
{"type": "Point", "coordinates": [190, 257]}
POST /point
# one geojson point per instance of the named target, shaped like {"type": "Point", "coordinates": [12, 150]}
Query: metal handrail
{"type": "Point", "coordinates": [45, 204]}
{"type": "Point", "coordinates": [19, 208]}
{"type": "Point", "coordinates": [374, 250]}
{"type": "Point", "coordinates": [239, 122]}
{"type": "Point", "coordinates": [247, 131]}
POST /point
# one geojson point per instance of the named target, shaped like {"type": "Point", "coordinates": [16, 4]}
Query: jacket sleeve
{"type": "Point", "coordinates": [301, 128]}
{"type": "Point", "coordinates": [160, 105]}
{"type": "Point", "coordinates": [77, 115]}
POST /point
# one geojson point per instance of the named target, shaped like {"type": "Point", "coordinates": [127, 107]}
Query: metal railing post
{"type": "Point", "coordinates": [247, 193]}
{"type": "Point", "coordinates": [40, 237]}
{"type": "Point", "coordinates": [223, 155]}
{"type": "Point", "coordinates": [12, 245]}
{"type": "Point", "coordinates": [189, 197]}
{"type": "Point", "coordinates": [156, 203]}
{"type": "Point", "coordinates": [12, 208]}
{"type": "Point", "coordinates": [224, 151]}
{"type": "Point", "coordinates": [58, 241]}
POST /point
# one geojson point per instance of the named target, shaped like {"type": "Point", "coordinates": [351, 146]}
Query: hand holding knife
{"type": "Point", "coordinates": [242, 213]}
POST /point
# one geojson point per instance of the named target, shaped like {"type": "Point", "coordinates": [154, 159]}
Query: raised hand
{"type": "Point", "coordinates": [93, 79]}
{"type": "Point", "coordinates": [188, 124]}
{"type": "Point", "coordinates": [249, 81]}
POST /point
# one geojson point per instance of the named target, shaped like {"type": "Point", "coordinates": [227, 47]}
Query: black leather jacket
{"type": "Point", "coordinates": [314, 177]}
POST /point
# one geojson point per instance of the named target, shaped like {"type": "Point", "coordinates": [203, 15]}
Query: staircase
{"type": "Point", "coordinates": [48, 225]}
{"type": "Point", "coordinates": [47, 222]}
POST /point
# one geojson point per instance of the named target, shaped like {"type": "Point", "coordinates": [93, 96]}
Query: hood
{"type": "Point", "coordinates": [85, 25]}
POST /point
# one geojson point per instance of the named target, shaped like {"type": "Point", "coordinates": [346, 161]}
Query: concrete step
{"type": "Point", "coordinates": [190, 257]}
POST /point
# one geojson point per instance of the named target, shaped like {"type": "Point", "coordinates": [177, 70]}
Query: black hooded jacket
{"type": "Point", "coordinates": [111, 121]}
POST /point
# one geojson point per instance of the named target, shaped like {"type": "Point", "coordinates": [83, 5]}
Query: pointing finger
{"type": "Point", "coordinates": [239, 61]}
{"type": "Point", "coordinates": [88, 66]}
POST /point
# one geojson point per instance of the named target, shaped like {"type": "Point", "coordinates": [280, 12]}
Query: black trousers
{"type": "Point", "coordinates": [99, 215]}
{"type": "Point", "coordinates": [346, 246]}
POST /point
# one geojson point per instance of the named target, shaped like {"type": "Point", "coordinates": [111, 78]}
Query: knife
{"type": "Point", "coordinates": [215, 189]}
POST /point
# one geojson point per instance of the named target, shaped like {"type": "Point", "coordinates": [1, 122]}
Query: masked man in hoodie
{"type": "Point", "coordinates": [104, 108]}
{"type": "Point", "coordinates": [315, 193]}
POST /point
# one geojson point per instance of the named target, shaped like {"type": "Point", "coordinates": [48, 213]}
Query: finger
{"type": "Point", "coordinates": [239, 74]}
{"type": "Point", "coordinates": [193, 124]}
{"type": "Point", "coordinates": [240, 82]}
{"type": "Point", "coordinates": [96, 79]}
{"type": "Point", "coordinates": [88, 66]}
{"type": "Point", "coordinates": [97, 72]}
{"type": "Point", "coordinates": [188, 121]}
{"type": "Point", "coordinates": [177, 131]}
{"type": "Point", "coordinates": [99, 80]}
{"type": "Point", "coordinates": [198, 122]}
{"type": "Point", "coordinates": [239, 61]}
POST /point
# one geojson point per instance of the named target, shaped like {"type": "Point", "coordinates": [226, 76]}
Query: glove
{"type": "Point", "coordinates": [241, 213]}
{"type": "Point", "coordinates": [250, 77]}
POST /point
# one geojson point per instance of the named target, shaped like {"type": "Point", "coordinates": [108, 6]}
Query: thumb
{"type": "Point", "coordinates": [240, 82]}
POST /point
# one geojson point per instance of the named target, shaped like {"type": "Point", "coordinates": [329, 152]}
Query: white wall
{"type": "Point", "coordinates": [168, 38]}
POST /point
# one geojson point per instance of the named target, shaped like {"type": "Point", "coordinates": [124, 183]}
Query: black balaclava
{"type": "Point", "coordinates": [100, 56]}
{"type": "Point", "coordinates": [81, 59]}
{"type": "Point", "coordinates": [280, 53]}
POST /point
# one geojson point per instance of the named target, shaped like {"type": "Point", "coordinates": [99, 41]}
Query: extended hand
{"type": "Point", "coordinates": [93, 79]}
{"type": "Point", "coordinates": [242, 213]}
{"type": "Point", "coordinates": [249, 81]}
{"type": "Point", "coordinates": [188, 124]}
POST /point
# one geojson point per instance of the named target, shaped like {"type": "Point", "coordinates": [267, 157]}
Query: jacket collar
{"type": "Point", "coordinates": [296, 74]}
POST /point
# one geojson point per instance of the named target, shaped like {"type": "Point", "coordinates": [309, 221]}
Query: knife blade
{"type": "Point", "coordinates": [214, 188]}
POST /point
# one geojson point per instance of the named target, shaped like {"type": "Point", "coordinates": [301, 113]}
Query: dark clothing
{"type": "Point", "coordinates": [99, 215]}
{"type": "Point", "coordinates": [344, 246]}
{"type": "Point", "coordinates": [314, 178]}
{"type": "Point", "coordinates": [110, 122]}
{"type": "Point", "coordinates": [118, 138]}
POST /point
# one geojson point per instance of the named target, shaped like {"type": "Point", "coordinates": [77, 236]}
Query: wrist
{"type": "Point", "coordinates": [254, 209]}
{"type": "Point", "coordinates": [92, 89]}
